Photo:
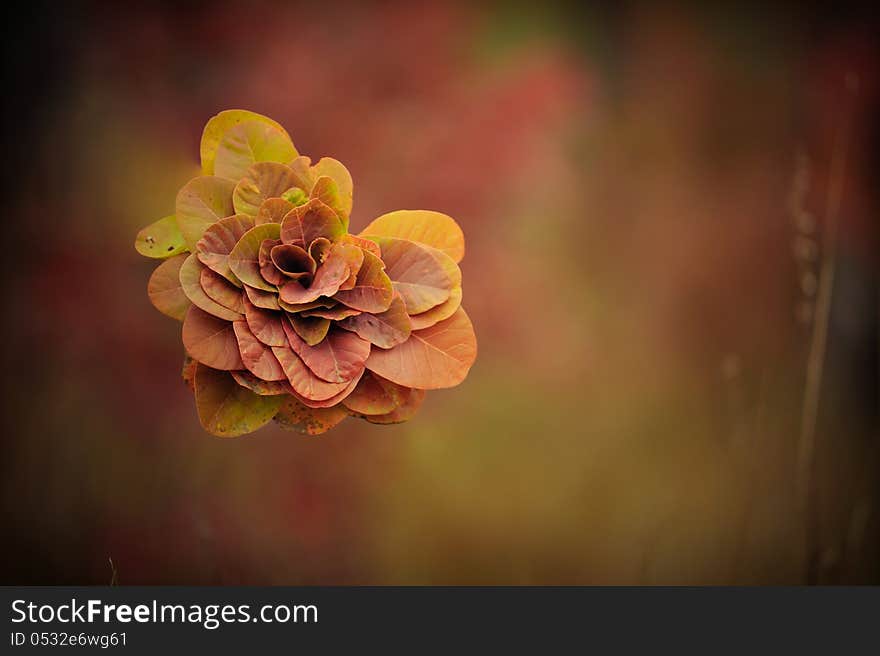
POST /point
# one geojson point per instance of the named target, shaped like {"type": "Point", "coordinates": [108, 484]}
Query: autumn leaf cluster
{"type": "Point", "coordinates": [286, 314]}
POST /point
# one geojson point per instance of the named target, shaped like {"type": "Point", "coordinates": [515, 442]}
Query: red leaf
{"type": "Point", "coordinates": [261, 387]}
{"type": "Point", "coordinates": [293, 308]}
{"type": "Point", "coordinates": [256, 356]}
{"type": "Point", "coordinates": [304, 382]}
{"type": "Point", "coordinates": [336, 399]}
{"type": "Point", "coordinates": [222, 291]}
{"type": "Point", "coordinates": [372, 291]}
{"type": "Point", "coordinates": [328, 277]}
{"type": "Point", "coordinates": [210, 340]}
{"type": "Point", "coordinates": [268, 270]}
{"type": "Point", "coordinates": [265, 325]}
{"type": "Point", "coordinates": [319, 249]}
{"type": "Point", "coordinates": [364, 244]}
{"type": "Point", "coordinates": [385, 329]}
{"type": "Point", "coordinates": [336, 313]}
{"type": "Point", "coordinates": [293, 261]}
{"type": "Point", "coordinates": [338, 358]}
{"type": "Point", "coordinates": [219, 239]}
{"type": "Point", "coordinates": [423, 276]}
{"type": "Point", "coordinates": [244, 259]}
{"type": "Point", "coordinates": [262, 299]}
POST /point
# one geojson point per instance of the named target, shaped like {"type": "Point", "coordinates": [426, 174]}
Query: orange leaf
{"type": "Point", "coordinates": [404, 412]}
{"type": "Point", "coordinates": [423, 226]}
{"type": "Point", "coordinates": [433, 358]}
{"type": "Point", "coordinates": [437, 313]}
{"type": "Point", "coordinates": [293, 415]}
{"type": "Point", "coordinates": [423, 276]}
{"type": "Point", "coordinates": [375, 396]}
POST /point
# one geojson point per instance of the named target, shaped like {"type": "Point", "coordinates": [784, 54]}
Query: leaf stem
{"type": "Point", "coordinates": [807, 490]}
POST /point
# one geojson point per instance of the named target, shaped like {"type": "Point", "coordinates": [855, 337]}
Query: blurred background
{"type": "Point", "coordinates": [670, 214]}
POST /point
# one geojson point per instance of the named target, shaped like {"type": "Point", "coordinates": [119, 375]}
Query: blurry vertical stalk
{"type": "Point", "coordinates": [806, 450]}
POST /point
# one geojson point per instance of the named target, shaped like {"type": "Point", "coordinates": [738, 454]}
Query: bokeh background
{"type": "Point", "coordinates": [649, 194]}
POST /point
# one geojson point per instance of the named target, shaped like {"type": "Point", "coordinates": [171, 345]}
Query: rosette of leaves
{"type": "Point", "coordinates": [286, 314]}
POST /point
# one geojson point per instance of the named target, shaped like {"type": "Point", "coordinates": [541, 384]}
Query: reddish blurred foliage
{"type": "Point", "coordinates": [633, 413]}
{"type": "Point", "coordinates": [420, 119]}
